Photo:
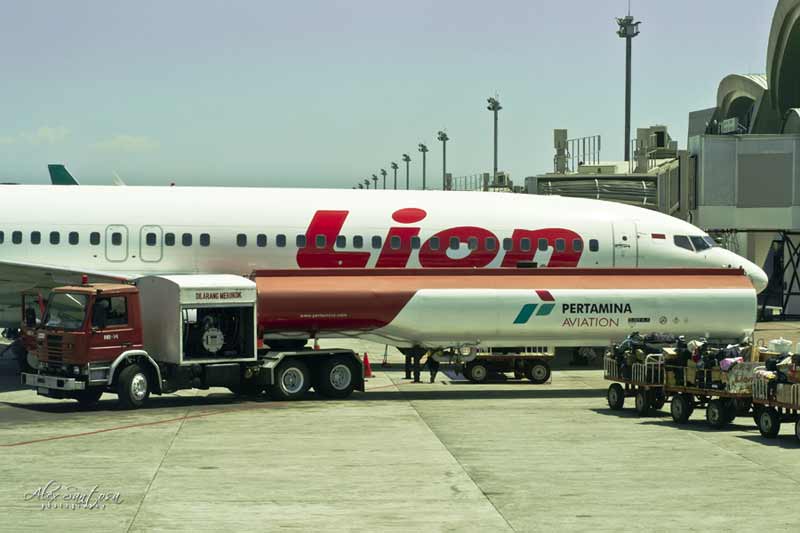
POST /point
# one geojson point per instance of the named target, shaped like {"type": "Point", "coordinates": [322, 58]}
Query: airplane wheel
{"type": "Point", "coordinates": [615, 396]}
{"type": "Point", "coordinates": [769, 422]}
{"type": "Point", "coordinates": [716, 414]}
{"type": "Point", "coordinates": [679, 408]}
{"type": "Point", "coordinates": [643, 402]}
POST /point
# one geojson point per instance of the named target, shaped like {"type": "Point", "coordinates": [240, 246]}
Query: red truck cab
{"type": "Point", "coordinates": [85, 328]}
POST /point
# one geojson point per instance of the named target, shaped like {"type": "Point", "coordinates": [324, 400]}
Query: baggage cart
{"type": "Point", "coordinates": [775, 403]}
{"type": "Point", "coordinates": [644, 381]}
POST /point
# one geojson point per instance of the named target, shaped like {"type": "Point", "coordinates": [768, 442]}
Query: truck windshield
{"type": "Point", "coordinates": [65, 311]}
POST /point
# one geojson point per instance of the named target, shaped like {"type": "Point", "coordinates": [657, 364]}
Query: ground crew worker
{"type": "Point", "coordinates": [417, 367]}
{"type": "Point", "coordinates": [433, 364]}
{"type": "Point", "coordinates": [408, 366]}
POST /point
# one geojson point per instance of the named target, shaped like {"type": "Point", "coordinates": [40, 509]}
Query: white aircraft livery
{"type": "Point", "coordinates": [51, 235]}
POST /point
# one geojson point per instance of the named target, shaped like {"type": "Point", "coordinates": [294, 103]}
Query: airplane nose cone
{"type": "Point", "coordinates": [757, 277]}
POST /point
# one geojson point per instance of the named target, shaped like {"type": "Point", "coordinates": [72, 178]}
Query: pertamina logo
{"type": "Point", "coordinates": [540, 309]}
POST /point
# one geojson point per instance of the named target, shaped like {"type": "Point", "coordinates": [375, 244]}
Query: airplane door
{"type": "Point", "coordinates": [150, 244]}
{"type": "Point", "coordinates": [626, 246]}
{"type": "Point", "coordinates": [116, 243]}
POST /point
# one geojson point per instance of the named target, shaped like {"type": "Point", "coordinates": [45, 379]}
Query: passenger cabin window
{"type": "Point", "coordinates": [434, 243]}
{"type": "Point", "coordinates": [261, 240]}
{"type": "Point", "coordinates": [280, 241]}
{"type": "Point", "coordinates": [241, 240]}
{"type": "Point", "coordinates": [186, 239]}
{"type": "Point", "coordinates": [341, 241]}
{"type": "Point", "coordinates": [55, 237]}
{"type": "Point", "coordinates": [300, 241]}
{"type": "Point", "coordinates": [491, 244]}
{"type": "Point", "coordinates": [116, 238]}
{"type": "Point", "coordinates": [169, 239]}
{"type": "Point", "coordinates": [543, 244]}
{"type": "Point", "coordinates": [561, 245]}
{"type": "Point", "coordinates": [94, 238]}
{"type": "Point", "coordinates": [16, 237]}
{"type": "Point", "coordinates": [508, 244]}
{"type": "Point", "coordinates": [358, 242]}
{"type": "Point", "coordinates": [111, 311]}
{"type": "Point", "coordinates": [682, 241]}
{"type": "Point", "coordinates": [395, 242]}
{"type": "Point", "coordinates": [150, 239]}
{"type": "Point", "coordinates": [377, 242]}
{"type": "Point", "coordinates": [321, 241]}
{"type": "Point", "coordinates": [205, 239]}
{"type": "Point", "coordinates": [416, 243]}
{"type": "Point", "coordinates": [455, 243]}
{"type": "Point", "coordinates": [594, 245]}
{"type": "Point", "coordinates": [36, 237]}
{"type": "Point", "coordinates": [472, 243]}
{"type": "Point", "coordinates": [73, 238]}
{"type": "Point", "coordinates": [700, 243]}
{"type": "Point", "coordinates": [577, 245]}
{"type": "Point", "coordinates": [2, 237]}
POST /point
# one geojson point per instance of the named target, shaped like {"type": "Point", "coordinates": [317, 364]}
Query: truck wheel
{"type": "Point", "coordinates": [292, 380]}
{"type": "Point", "coordinates": [88, 397]}
{"type": "Point", "coordinates": [336, 378]}
{"type": "Point", "coordinates": [769, 423]}
{"type": "Point", "coordinates": [476, 372]}
{"type": "Point", "coordinates": [538, 372]}
{"type": "Point", "coordinates": [133, 387]}
{"type": "Point", "coordinates": [680, 409]}
{"type": "Point", "coordinates": [797, 429]}
{"type": "Point", "coordinates": [717, 414]}
{"type": "Point", "coordinates": [615, 396]}
{"type": "Point", "coordinates": [643, 402]}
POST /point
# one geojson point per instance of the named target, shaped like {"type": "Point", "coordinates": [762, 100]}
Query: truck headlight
{"type": "Point", "coordinates": [76, 370]}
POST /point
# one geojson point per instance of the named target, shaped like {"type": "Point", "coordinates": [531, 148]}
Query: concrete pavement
{"type": "Point", "coordinates": [448, 456]}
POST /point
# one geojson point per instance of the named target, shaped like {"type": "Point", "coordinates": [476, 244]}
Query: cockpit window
{"type": "Point", "coordinates": [711, 242]}
{"type": "Point", "coordinates": [682, 241]}
{"type": "Point", "coordinates": [700, 244]}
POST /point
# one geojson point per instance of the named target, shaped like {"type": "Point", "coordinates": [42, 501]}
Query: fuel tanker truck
{"type": "Point", "coordinates": [161, 334]}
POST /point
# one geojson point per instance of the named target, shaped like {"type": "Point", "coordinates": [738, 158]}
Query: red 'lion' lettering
{"type": "Point", "coordinates": [567, 257]}
{"type": "Point", "coordinates": [328, 223]}
{"type": "Point", "coordinates": [478, 258]}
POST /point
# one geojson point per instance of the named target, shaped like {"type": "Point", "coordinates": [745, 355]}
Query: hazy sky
{"type": "Point", "coordinates": [324, 93]}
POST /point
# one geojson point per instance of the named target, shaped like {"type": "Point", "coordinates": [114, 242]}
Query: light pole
{"type": "Point", "coordinates": [407, 159]}
{"type": "Point", "coordinates": [494, 107]}
{"type": "Point", "coordinates": [395, 167]}
{"type": "Point", "coordinates": [366, 182]}
{"type": "Point", "coordinates": [360, 186]}
{"type": "Point", "coordinates": [375, 182]}
{"type": "Point", "coordinates": [424, 150]}
{"type": "Point", "coordinates": [383, 173]}
{"type": "Point", "coordinates": [628, 29]}
{"type": "Point", "coordinates": [444, 138]}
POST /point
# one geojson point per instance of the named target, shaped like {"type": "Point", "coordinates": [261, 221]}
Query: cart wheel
{"type": "Point", "coordinates": [659, 399]}
{"type": "Point", "coordinates": [643, 402]}
{"type": "Point", "coordinates": [757, 413]}
{"type": "Point", "coordinates": [538, 372]}
{"type": "Point", "coordinates": [680, 409]}
{"type": "Point", "coordinates": [769, 423]}
{"type": "Point", "coordinates": [730, 409]}
{"type": "Point", "coordinates": [615, 396]}
{"type": "Point", "coordinates": [716, 414]}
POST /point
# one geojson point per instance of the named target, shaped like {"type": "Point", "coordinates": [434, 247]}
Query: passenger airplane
{"type": "Point", "coordinates": [51, 235]}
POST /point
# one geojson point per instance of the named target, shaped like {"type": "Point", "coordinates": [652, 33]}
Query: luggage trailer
{"type": "Point", "coordinates": [648, 383]}
{"type": "Point", "coordinates": [774, 403]}
{"type": "Point", "coordinates": [532, 362]}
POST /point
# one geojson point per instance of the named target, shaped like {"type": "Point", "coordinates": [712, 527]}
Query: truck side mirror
{"type": "Point", "coordinates": [30, 317]}
{"type": "Point", "coordinates": [99, 316]}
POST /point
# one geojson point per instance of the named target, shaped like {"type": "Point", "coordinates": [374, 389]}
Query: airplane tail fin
{"type": "Point", "coordinates": [59, 175]}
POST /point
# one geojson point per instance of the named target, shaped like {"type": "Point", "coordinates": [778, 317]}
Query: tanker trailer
{"type": "Point", "coordinates": [446, 308]}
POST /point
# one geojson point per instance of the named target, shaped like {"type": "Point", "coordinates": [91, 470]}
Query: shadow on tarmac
{"type": "Point", "coordinates": [479, 392]}
{"type": "Point", "coordinates": [788, 442]}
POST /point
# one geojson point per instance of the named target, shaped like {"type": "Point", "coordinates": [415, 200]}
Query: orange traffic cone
{"type": "Point", "coordinates": [367, 367]}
